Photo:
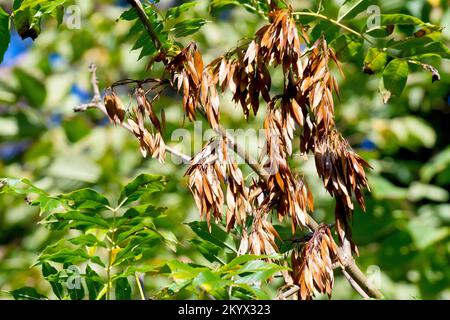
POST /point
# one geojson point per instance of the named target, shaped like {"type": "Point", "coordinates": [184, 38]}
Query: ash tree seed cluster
{"type": "Point", "coordinates": [304, 108]}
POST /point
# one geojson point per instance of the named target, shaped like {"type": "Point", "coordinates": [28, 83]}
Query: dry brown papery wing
{"type": "Point", "coordinates": [312, 264]}
{"type": "Point", "coordinates": [114, 108]}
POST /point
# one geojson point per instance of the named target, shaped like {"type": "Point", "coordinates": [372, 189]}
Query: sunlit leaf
{"type": "Point", "coordinates": [175, 12]}
{"type": "Point", "coordinates": [86, 199]}
{"type": "Point", "coordinates": [395, 76]}
{"type": "Point", "coordinates": [351, 8]}
{"type": "Point", "coordinates": [210, 281]}
{"type": "Point", "coordinates": [375, 61]}
{"type": "Point", "coordinates": [142, 184]}
{"type": "Point", "coordinates": [188, 27]}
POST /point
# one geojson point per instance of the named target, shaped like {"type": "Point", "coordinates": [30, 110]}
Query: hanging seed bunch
{"type": "Point", "coordinates": [246, 75]}
{"type": "Point", "coordinates": [342, 172]}
{"type": "Point", "coordinates": [312, 264]}
{"type": "Point", "coordinates": [316, 87]}
{"type": "Point", "coordinates": [304, 108]}
{"type": "Point", "coordinates": [209, 171]}
{"type": "Point", "coordinates": [187, 71]}
{"type": "Point", "coordinates": [288, 194]}
{"type": "Point", "coordinates": [279, 42]}
{"type": "Point", "coordinates": [197, 84]}
{"type": "Point", "coordinates": [261, 239]}
{"type": "Point", "coordinates": [151, 142]}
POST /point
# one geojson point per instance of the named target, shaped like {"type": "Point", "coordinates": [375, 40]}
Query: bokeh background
{"type": "Point", "coordinates": [404, 237]}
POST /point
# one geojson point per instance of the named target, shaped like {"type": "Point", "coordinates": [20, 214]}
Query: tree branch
{"type": "Point", "coordinates": [348, 262]}
{"type": "Point", "coordinates": [147, 23]}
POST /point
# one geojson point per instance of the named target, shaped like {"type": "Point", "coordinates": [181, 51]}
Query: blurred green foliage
{"type": "Point", "coordinates": [405, 233]}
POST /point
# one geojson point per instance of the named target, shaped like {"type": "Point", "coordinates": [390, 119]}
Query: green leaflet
{"type": "Point", "coordinates": [4, 32]}
{"type": "Point", "coordinates": [395, 76]}
{"type": "Point", "coordinates": [375, 61]}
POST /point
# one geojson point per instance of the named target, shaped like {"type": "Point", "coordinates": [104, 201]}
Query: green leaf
{"type": "Point", "coordinates": [129, 15]}
{"type": "Point", "coordinates": [77, 293]}
{"type": "Point", "coordinates": [25, 22]}
{"type": "Point", "coordinates": [76, 220]}
{"type": "Point", "coordinates": [140, 244]}
{"type": "Point", "coordinates": [411, 43]}
{"type": "Point", "coordinates": [30, 4]}
{"type": "Point", "coordinates": [4, 32]}
{"type": "Point", "coordinates": [67, 256]}
{"type": "Point", "coordinates": [421, 46]}
{"type": "Point", "coordinates": [145, 210]}
{"type": "Point", "coordinates": [181, 271]}
{"type": "Point", "coordinates": [209, 250]}
{"type": "Point", "coordinates": [88, 240]}
{"type": "Point", "coordinates": [400, 19]}
{"type": "Point", "coordinates": [217, 236]}
{"type": "Point", "coordinates": [94, 283]}
{"type": "Point", "coordinates": [433, 48]}
{"type": "Point", "coordinates": [395, 76]}
{"type": "Point", "coordinates": [375, 61]}
{"type": "Point", "coordinates": [32, 88]}
{"type": "Point", "coordinates": [27, 293]}
{"type": "Point", "coordinates": [210, 281]}
{"type": "Point", "coordinates": [257, 293]}
{"type": "Point", "coordinates": [383, 189]}
{"type": "Point", "coordinates": [257, 271]}
{"type": "Point", "coordinates": [142, 184]}
{"type": "Point", "coordinates": [188, 27]}
{"type": "Point", "coordinates": [123, 289]}
{"type": "Point", "coordinates": [131, 271]}
{"type": "Point", "coordinates": [35, 196]}
{"type": "Point", "coordinates": [175, 12]}
{"type": "Point", "coordinates": [126, 232]}
{"type": "Point", "coordinates": [144, 40]}
{"type": "Point", "coordinates": [426, 229]}
{"type": "Point", "coordinates": [86, 199]}
{"type": "Point", "coordinates": [351, 8]}
{"type": "Point", "coordinates": [170, 240]}
{"type": "Point", "coordinates": [216, 6]}
{"type": "Point", "coordinates": [236, 262]}
{"type": "Point", "coordinates": [436, 165]}
{"type": "Point", "coordinates": [347, 47]}
{"type": "Point", "coordinates": [47, 272]}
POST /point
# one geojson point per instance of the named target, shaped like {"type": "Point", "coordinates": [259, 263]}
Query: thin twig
{"type": "Point", "coordinates": [335, 22]}
{"type": "Point", "coordinates": [140, 285]}
{"type": "Point", "coordinates": [355, 285]}
{"type": "Point", "coordinates": [97, 103]}
{"type": "Point", "coordinates": [288, 293]}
